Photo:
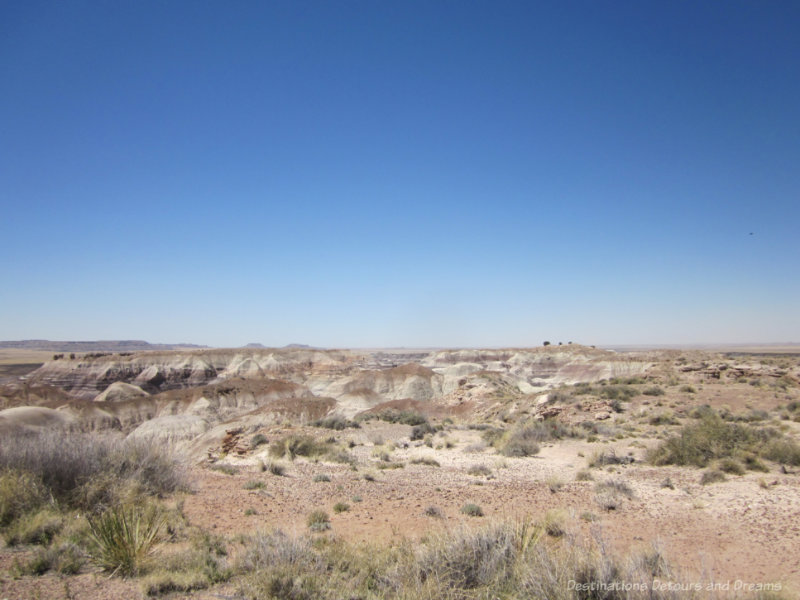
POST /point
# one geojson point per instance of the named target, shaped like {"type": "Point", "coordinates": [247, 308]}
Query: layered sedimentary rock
{"type": "Point", "coordinates": [193, 395]}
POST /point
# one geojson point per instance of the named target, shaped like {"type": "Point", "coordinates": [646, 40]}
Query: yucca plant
{"type": "Point", "coordinates": [123, 537]}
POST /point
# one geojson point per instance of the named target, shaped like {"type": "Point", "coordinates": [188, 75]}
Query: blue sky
{"type": "Point", "coordinates": [347, 173]}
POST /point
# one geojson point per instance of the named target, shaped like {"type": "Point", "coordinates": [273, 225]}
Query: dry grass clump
{"type": "Point", "coordinates": [65, 559]}
{"type": "Point", "coordinates": [318, 520]}
{"type": "Point", "coordinates": [341, 507]}
{"type": "Point", "coordinates": [505, 560]}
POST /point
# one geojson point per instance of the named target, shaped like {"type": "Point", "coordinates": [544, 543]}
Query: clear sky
{"type": "Point", "coordinates": [418, 173]}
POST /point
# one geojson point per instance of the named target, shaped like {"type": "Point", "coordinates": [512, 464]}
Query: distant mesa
{"type": "Point", "coordinates": [255, 345]}
{"type": "Point", "coordinates": [94, 346]}
{"type": "Point", "coordinates": [305, 346]}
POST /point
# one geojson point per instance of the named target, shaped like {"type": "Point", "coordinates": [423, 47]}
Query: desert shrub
{"type": "Point", "coordinates": [472, 510]}
{"type": "Point", "coordinates": [784, 451]}
{"type": "Point", "coordinates": [702, 411]}
{"type": "Point", "coordinates": [321, 478]}
{"type": "Point", "coordinates": [35, 528]}
{"type": "Point", "coordinates": [584, 475]}
{"type": "Point", "coordinates": [20, 493]}
{"type": "Point", "coordinates": [340, 456]}
{"type": "Point", "coordinates": [688, 389]}
{"type": "Point", "coordinates": [265, 550]}
{"type": "Point", "coordinates": [662, 419]}
{"type": "Point", "coordinates": [258, 439]}
{"type": "Point", "coordinates": [518, 446]}
{"type": "Point", "coordinates": [275, 468]}
{"type": "Point", "coordinates": [731, 466]}
{"type": "Point", "coordinates": [92, 471]}
{"type": "Point", "coordinates": [223, 468]}
{"type": "Point", "coordinates": [341, 507]}
{"type": "Point", "coordinates": [336, 422]}
{"type": "Point", "coordinates": [418, 432]}
{"type": "Point", "coordinates": [405, 417]}
{"type": "Point", "coordinates": [610, 494]}
{"type": "Point", "coordinates": [425, 460]}
{"type": "Point", "coordinates": [712, 476]}
{"type": "Point", "coordinates": [618, 392]}
{"type": "Point", "coordinates": [615, 485]}
{"type": "Point", "coordinates": [254, 484]}
{"type": "Point", "coordinates": [709, 439]}
{"type": "Point", "coordinates": [122, 538]}
{"type": "Point", "coordinates": [608, 457]}
{"type": "Point", "coordinates": [756, 415]}
{"type": "Point", "coordinates": [505, 560]}
{"type": "Point", "coordinates": [318, 520]}
{"type": "Point", "coordinates": [479, 471]}
{"type": "Point", "coordinates": [554, 484]}
{"type": "Point", "coordinates": [468, 560]}
{"type": "Point", "coordinates": [297, 445]}
{"type": "Point", "coordinates": [559, 397]}
{"type": "Point", "coordinates": [66, 559]}
{"type": "Point", "coordinates": [653, 391]}
{"type": "Point", "coordinates": [434, 511]}
{"type": "Point", "coordinates": [752, 463]}
{"type": "Point", "coordinates": [524, 440]}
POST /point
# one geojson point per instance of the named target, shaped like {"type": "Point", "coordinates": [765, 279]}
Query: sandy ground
{"type": "Point", "coordinates": [728, 531]}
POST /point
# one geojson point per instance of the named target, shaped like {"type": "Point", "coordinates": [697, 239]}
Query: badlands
{"type": "Point", "coordinates": [563, 471]}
